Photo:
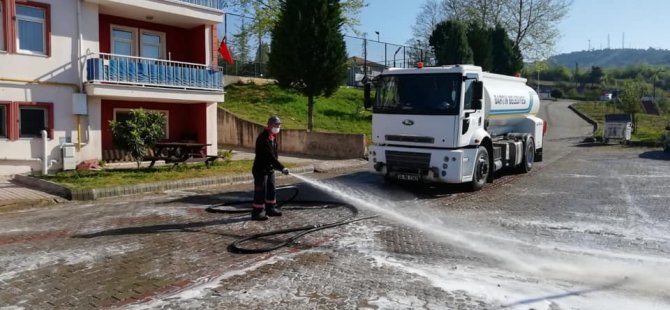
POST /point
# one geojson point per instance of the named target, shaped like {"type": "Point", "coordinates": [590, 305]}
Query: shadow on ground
{"type": "Point", "coordinates": [657, 155]}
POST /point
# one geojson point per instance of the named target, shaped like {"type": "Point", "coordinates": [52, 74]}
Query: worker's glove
{"type": "Point", "coordinates": [285, 171]}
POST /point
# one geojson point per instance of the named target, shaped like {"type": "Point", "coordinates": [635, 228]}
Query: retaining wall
{"type": "Point", "coordinates": [237, 132]}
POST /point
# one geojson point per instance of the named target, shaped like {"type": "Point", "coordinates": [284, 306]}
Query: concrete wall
{"type": "Point", "coordinates": [237, 132]}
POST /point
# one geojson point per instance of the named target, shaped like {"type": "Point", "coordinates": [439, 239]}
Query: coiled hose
{"type": "Point", "coordinates": [236, 247]}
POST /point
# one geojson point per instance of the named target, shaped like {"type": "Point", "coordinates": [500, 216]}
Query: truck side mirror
{"type": "Point", "coordinates": [367, 101]}
{"type": "Point", "coordinates": [477, 95]}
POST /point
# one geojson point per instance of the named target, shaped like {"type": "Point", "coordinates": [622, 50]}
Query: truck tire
{"type": "Point", "coordinates": [528, 156]}
{"type": "Point", "coordinates": [482, 169]}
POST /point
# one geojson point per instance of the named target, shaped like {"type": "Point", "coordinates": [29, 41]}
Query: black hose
{"type": "Point", "coordinates": [231, 207]}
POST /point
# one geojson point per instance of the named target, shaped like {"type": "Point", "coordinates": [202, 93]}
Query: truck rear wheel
{"type": "Point", "coordinates": [482, 169]}
{"type": "Point", "coordinates": [528, 156]}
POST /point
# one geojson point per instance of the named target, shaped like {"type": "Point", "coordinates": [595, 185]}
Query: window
{"type": "Point", "coordinates": [3, 121]}
{"type": "Point", "coordinates": [26, 119]}
{"type": "Point", "coordinates": [419, 94]}
{"type": "Point", "coordinates": [467, 98]}
{"type": "Point", "coordinates": [151, 45]}
{"type": "Point", "coordinates": [32, 120]}
{"type": "Point", "coordinates": [123, 41]}
{"type": "Point", "coordinates": [31, 29]}
{"type": "Point", "coordinates": [2, 26]}
{"type": "Point", "coordinates": [121, 115]}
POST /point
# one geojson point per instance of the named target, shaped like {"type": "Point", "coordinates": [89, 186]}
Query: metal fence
{"type": "Point", "coordinates": [215, 4]}
{"type": "Point", "coordinates": [366, 57]}
{"type": "Point", "coordinates": [248, 47]}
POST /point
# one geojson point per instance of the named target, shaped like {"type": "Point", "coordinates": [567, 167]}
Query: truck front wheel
{"type": "Point", "coordinates": [482, 169]}
{"type": "Point", "coordinates": [528, 156]}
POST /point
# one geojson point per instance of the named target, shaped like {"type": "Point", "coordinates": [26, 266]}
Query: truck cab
{"type": "Point", "coordinates": [451, 124]}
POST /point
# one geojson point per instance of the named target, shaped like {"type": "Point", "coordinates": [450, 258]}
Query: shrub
{"type": "Point", "coordinates": [139, 133]}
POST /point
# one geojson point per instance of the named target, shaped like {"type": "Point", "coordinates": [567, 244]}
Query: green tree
{"type": "Point", "coordinates": [450, 42]}
{"type": "Point", "coordinates": [532, 24]}
{"type": "Point", "coordinates": [507, 58]}
{"type": "Point", "coordinates": [630, 98]}
{"type": "Point", "coordinates": [308, 52]}
{"type": "Point", "coordinates": [596, 75]}
{"type": "Point", "coordinates": [479, 39]}
{"type": "Point", "coordinates": [268, 12]}
{"type": "Point", "coordinates": [139, 133]}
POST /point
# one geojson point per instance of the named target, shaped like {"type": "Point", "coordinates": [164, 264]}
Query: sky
{"type": "Point", "coordinates": [638, 23]}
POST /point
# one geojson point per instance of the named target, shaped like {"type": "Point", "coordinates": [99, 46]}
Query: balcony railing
{"type": "Point", "coordinates": [119, 69]}
{"type": "Point", "coordinates": [215, 4]}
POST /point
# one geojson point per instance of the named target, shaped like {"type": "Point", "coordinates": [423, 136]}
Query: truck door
{"type": "Point", "coordinates": [471, 119]}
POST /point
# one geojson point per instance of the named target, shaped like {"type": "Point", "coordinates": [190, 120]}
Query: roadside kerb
{"type": "Point", "coordinates": [585, 117]}
{"type": "Point", "coordinates": [99, 193]}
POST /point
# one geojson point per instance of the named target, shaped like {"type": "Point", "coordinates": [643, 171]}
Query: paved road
{"type": "Point", "coordinates": [586, 229]}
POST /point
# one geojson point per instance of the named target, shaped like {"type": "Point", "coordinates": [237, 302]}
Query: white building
{"type": "Point", "coordinates": [71, 66]}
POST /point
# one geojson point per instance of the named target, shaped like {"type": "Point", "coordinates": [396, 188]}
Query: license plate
{"type": "Point", "coordinates": [408, 177]}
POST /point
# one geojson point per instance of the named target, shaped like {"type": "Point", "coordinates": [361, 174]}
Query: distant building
{"type": "Point", "coordinates": [605, 96]}
{"type": "Point", "coordinates": [71, 66]}
{"type": "Point", "coordinates": [357, 72]}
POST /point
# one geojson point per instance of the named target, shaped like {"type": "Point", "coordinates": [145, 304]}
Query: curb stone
{"type": "Point", "coordinates": [585, 117]}
{"type": "Point", "coordinates": [99, 193]}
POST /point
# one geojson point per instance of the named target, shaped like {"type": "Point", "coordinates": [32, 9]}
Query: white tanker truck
{"type": "Point", "coordinates": [452, 124]}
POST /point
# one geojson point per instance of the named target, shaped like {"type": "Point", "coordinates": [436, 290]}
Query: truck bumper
{"type": "Point", "coordinates": [422, 165]}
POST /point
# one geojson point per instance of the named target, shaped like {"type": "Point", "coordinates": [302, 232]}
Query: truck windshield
{"type": "Point", "coordinates": [434, 94]}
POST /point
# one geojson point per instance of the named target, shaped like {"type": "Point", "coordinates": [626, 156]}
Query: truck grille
{"type": "Point", "coordinates": [416, 139]}
{"type": "Point", "coordinates": [408, 161]}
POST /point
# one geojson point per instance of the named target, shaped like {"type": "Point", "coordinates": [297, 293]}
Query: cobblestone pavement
{"type": "Point", "coordinates": [586, 229]}
{"type": "Point", "coordinates": [119, 253]}
{"type": "Point", "coordinates": [14, 196]}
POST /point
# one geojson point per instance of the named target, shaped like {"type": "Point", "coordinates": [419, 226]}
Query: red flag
{"type": "Point", "coordinates": [225, 53]}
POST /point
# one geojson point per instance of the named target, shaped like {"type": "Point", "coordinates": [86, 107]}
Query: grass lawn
{"type": "Point", "coordinates": [650, 128]}
{"type": "Point", "coordinates": [343, 112]}
{"type": "Point", "coordinates": [124, 177]}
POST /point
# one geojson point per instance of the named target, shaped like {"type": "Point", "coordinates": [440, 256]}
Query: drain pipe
{"type": "Point", "coordinates": [45, 157]}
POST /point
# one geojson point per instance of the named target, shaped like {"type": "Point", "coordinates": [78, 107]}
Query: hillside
{"type": "Point", "coordinates": [612, 58]}
{"type": "Point", "coordinates": [343, 112]}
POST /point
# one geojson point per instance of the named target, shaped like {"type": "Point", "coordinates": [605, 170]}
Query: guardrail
{"type": "Point", "coordinates": [120, 69]}
{"type": "Point", "coordinates": [215, 4]}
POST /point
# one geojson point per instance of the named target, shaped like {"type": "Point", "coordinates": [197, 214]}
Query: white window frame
{"type": "Point", "coordinates": [2, 26]}
{"type": "Point", "coordinates": [167, 118]}
{"type": "Point", "coordinates": [133, 41]}
{"type": "Point", "coordinates": [42, 21]}
{"type": "Point", "coordinates": [161, 47]}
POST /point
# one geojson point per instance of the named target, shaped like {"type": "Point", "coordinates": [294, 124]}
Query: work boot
{"type": "Point", "coordinates": [258, 214]}
{"type": "Point", "coordinates": [272, 210]}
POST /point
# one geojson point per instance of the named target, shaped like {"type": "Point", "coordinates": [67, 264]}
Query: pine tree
{"type": "Point", "coordinates": [479, 39]}
{"type": "Point", "coordinates": [507, 58]}
{"type": "Point", "coordinates": [450, 42]}
{"type": "Point", "coordinates": [308, 52]}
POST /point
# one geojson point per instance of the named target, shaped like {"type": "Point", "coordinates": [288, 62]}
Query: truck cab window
{"type": "Point", "coordinates": [467, 96]}
{"type": "Point", "coordinates": [433, 94]}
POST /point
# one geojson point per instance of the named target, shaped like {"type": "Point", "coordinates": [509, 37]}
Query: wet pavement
{"type": "Point", "coordinates": [586, 229]}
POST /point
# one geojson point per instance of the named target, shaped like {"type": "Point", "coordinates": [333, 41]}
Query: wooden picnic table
{"type": "Point", "coordinates": [181, 152]}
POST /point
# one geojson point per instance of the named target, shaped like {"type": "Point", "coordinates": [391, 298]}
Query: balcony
{"type": "Point", "coordinates": [180, 13]}
{"type": "Point", "coordinates": [110, 75]}
{"type": "Point", "coordinates": [214, 4]}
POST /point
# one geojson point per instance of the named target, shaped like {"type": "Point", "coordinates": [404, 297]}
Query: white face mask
{"type": "Point", "coordinates": [275, 130]}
